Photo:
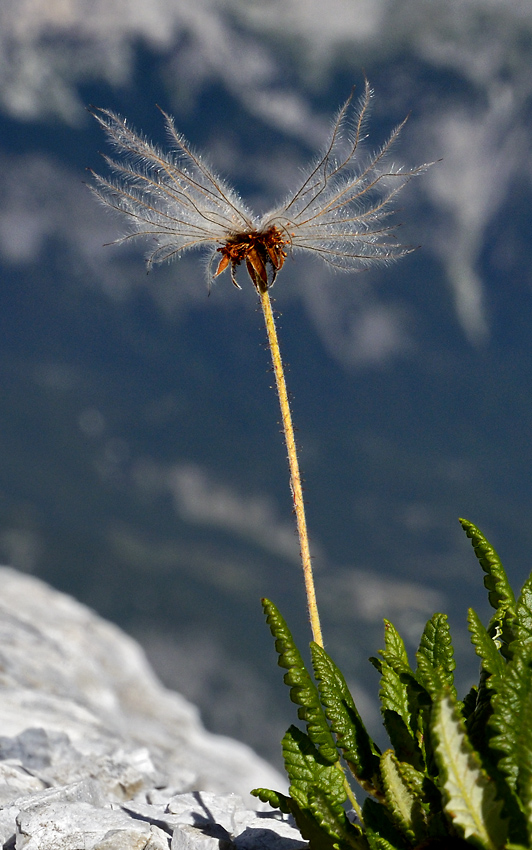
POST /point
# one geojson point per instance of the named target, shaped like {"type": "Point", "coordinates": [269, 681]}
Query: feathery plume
{"type": "Point", "coordinates": [175, 199]}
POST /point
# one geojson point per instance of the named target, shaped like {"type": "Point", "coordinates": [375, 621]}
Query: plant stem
{"type": "Point", "coordinates": [351, 794]}
{"type": "Point", "coordinates": [297, 492]}
{"type": "Point", "coordinates": [295, 477]}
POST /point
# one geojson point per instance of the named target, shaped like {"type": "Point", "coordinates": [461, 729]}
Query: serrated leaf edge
{"type": "Point", "coordinates": [470, 796]}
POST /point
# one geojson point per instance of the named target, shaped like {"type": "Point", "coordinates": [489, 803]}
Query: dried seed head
{"type": "Point", "coordinates": [176, 200]}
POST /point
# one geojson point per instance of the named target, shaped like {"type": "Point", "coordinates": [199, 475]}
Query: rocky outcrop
{"type": "Point", "coordinates": [96, 754]}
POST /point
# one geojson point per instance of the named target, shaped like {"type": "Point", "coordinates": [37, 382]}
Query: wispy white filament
{"type": "Point", "coordinates": [177, 201]}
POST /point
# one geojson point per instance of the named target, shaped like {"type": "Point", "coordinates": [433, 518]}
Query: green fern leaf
{"type": "Point", "coordinates": [394, 652]}
{"type": "Point", "coordinates": [377, 663]}
{"type": "Point", "coordinates": [485, 646]}
{"type": "Point", "coordinates": [303, 691]}
{"type": "Point", "coordinates": [511, 708]}
{"type": "Point", "coordinates": [477, 722]}
{"type": "Point", "coordinates": [403, 802]}
{"type": "Point", "coordinates": [403, 741]}
{"type": "Point", "coordinates": [469, 795]}
{"type": "Point", "coordinates": [396, 672]}
{"type": "Point", "coordinates": [512, 705]}
{"type": "Point", "coordinates": [393, 694]}
{"type": "Point", "coordinates": [311, 831]}
{"type": "Point", "coordinates": [317, 794]}
{"type": "Point", "coordinates": [401, 698]}
{"type": "Point", "coordinates": [321, 822]}
{"type": "Point", "coordinates": [435, 655]}
{"type": "Point", "coordinates": [274, 798]}
{"type": "Point", "coordinates": [381, 831]}
{"type": "Point", "coordinates": [396, 658]}
{"type": "Point", "coordinates": [307, 769]}
{"type": "Point", "coordinates": [377, 842]}
{"type": "Point", "coordinates": [500, 594]}
{"type": "Point", "coordinates": [333, 820]}
{"type": "Point", "coordinates": [360, 752]}
{"type": "Point", "coordinates": [524, 779]}
{"type": "Point", "coordinates": [493, 668]}
{"type": "Point", "coordinates": [469, 703]}
{"type": "Point", "coordinates": [413, 800]}
{"type": "Point", "coordinates": [523, 626]}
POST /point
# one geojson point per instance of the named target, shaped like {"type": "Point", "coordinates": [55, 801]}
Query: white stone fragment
{"type": "Point", "coordinates": [68, 826]}
{"type": "Point", "coordinates": [134, 838]}
{"type": "Point", "coordinates": [261, 831]}
{"type": "Point", "coordinates": [189, 838]}
{"type": "Point", "coordinates": [16, 781]}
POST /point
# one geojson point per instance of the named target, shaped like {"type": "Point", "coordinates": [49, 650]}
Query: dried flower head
{"type": "Point", "coordinates": [177, 201]}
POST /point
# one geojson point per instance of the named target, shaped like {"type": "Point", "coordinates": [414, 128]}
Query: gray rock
{"type": "Point", "coordinates": [96, 754]}
{"type": "Point", "coordinates": [58, 826]}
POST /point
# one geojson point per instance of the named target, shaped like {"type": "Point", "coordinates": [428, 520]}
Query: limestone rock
{"type": "Point", "coordinates": [96, 753]}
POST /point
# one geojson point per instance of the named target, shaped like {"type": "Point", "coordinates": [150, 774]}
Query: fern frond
{"type": "Point", "coordinates": [470, 795]}
{"type": "Point", "coordinates": [435, 655]}
{"type": "Point", "coordinates": [318, 789]}
{"type": "Point", "coordinates": [303, 691]}
{"type": "Point", "coordinates": [485, 646]}
{"type": "Point", "coordinates": [359, 751]}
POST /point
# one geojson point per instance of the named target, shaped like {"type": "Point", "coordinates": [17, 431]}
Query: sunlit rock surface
{"type": "Point", "coordinates": [96, 753]}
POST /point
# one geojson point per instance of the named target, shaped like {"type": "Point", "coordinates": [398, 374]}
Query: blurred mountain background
{"type": "Point", "coordinates": [141, 465]}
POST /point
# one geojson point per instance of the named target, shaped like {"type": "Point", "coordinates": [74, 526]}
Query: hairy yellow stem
{"type": "Point", "coordinates": [295, 477]}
